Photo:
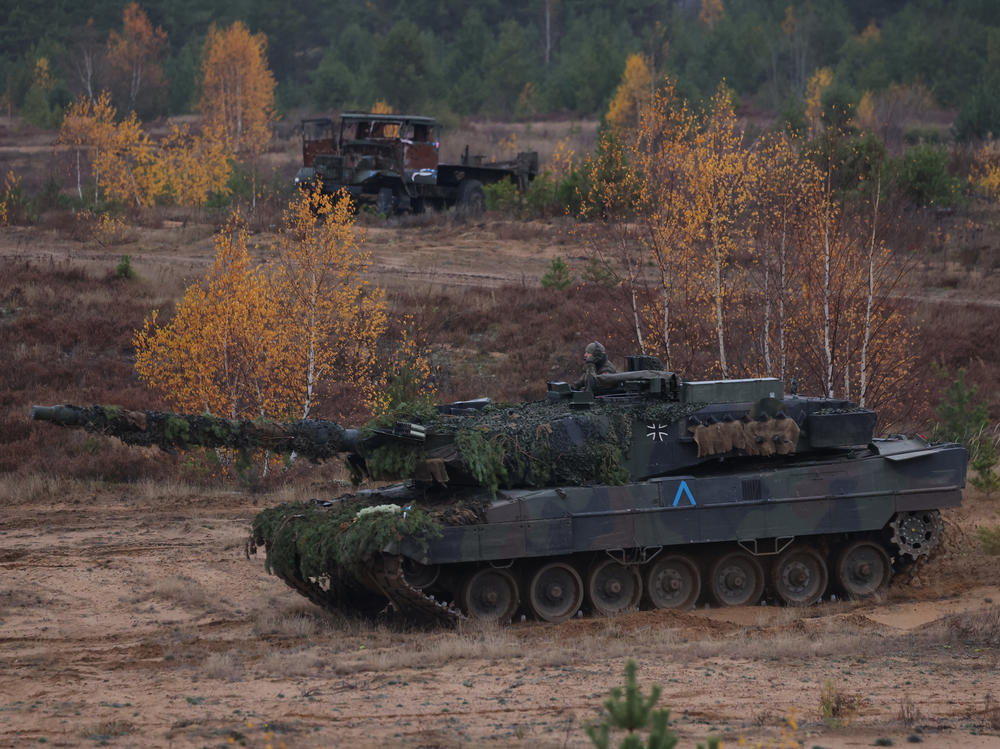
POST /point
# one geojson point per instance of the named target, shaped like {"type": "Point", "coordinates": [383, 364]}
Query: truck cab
{"type": "Point", "coordinates": [391, 161]}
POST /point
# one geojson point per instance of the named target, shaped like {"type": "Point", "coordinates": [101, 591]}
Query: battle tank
{"type": "Point", "coordinates": [641, 490]}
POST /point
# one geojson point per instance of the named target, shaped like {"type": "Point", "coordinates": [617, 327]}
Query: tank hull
{"type": "Point", "coordinates": [730, 534]}
{"type": "Point", "coordinates": [849, 495]}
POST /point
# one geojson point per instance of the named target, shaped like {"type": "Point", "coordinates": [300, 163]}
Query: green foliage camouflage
{"type": "Point", "coordinates": [545, 443]}
{"type": "Point", "coordinates": [313, 439]}
{"type": "Point", "coordinates": [315, 540]}
{"type": "Point", "coordinates": [484, 455]}
{"type": "Point", "coordinates": [392, 460]}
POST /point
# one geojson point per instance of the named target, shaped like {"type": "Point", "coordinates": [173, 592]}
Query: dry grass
{"type": "Point", "coordinates": [108, 729]}
{"type": "Point", "coordinates": [837, 707]}
{"type": "Point", "coordinates": [293, 662]}
{"type": "Point", "coordinates": [284, 624]}
{"type": "Point", "coordinates": [223, 666]}
{"type": "Point", "coordinates": [186, 592]}
{"type": "Point", "coordinates": [32, 487]}
{"type": "Point", "coordinates": [991, 713]}
{"type": "Point", "coordinates": [979, 628]}
{"type": "Point", "coordinates": [909, 713]}
{"type": "Point", "coordinates": [503, 140]}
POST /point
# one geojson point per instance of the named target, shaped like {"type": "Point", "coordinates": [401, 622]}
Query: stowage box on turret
{"type": "Point", "coordinates": [642, 491]}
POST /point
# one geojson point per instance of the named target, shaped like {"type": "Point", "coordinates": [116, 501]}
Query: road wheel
{"type": "Point", "coordinates": [471, 202]}
{"type": "Point", "coordinates": [737, 579]}
{"type": "Point", "coordinates": [386, 201]}
{"type": "Point", "coordinates": [673, 582]}
{"type": "Point", "coordinates": [799, 576]}
{"type": "Point", "coordinates": [490, 594]}
{"type": "Point", "coordinates": [862, 569]}
{"type": "Point", "coordinates": [613, 587]}
{"type": "Point", "coordinates": [555, 592]}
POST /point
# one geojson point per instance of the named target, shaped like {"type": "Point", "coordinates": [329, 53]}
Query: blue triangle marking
{"type": "Point", "coordinates": [683, 490]}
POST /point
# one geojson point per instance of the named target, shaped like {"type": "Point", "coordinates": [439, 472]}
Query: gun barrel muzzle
{"type": "Point", "coordinates": [57, 414]}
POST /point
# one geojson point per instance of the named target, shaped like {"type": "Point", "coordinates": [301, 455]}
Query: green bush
{"type": "Point", "coordinates": [986, 479]}
{"type": "Point", "coordinates": [962, 418]}
{"type": "Point", "coordinates": [124, 268]}
{"type": "Point", "coordinates": [541, 197]}
{"type": "Point", "coordinates": [924, 178]}
{"type": "Point", "coordinates": [856, 160]}
{"type": "Point", "coordinates": [979, 115]}
{"type": "Point", "coordinates": [15, 205]}
{"type": "Point", "coordinates": [792, 116]}
{"type": "Point", "coordinates": [503, 196]}
{"type": "Point", "coordinates": [989, 539]}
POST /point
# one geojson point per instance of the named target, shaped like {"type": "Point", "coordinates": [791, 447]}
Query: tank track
{"type": "Point", "coordinates": [383, 589]}
{"type": "Point", "coordinates": [386, 576]}
{"type": "Point", "coordinates": [386, 579]}
{"type": "Point", "coordinates": [343, 603]}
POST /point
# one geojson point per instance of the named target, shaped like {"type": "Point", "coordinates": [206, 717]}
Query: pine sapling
{"type": "Point", "coordinates": [633, 712]}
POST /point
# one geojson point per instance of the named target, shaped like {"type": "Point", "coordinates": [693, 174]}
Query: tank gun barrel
{"type": "Point", "coordinates": [62, 415]}
{"type": "Point", "coordinates": [315, 439]}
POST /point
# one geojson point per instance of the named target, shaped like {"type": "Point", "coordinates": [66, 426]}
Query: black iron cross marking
{"type": "Point", "coordinates": [657, 432]}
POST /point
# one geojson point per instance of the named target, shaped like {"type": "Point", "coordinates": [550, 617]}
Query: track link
{"type": "Point", "coordinates": [386, 576]}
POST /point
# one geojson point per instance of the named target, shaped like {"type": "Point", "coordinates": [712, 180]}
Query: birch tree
{"type": "Point", "coordinates": [610, 201]}
{"type": "Point", "coordinates": [89, 126]}
{"type": "Point", "coordinates": [222, 352]}
{"type": "Point", "coordinates": [657, 153]}
{"type": "Point", "coordinates": [237, 87]}
{"type": "Point", "coordinates": [716, 170]}
{"type": "Point", "coordinates": [136, 54]}
{"type": "Point", "coordinates": [333, 316]}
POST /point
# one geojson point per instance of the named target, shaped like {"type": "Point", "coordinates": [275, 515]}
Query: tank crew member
{"type": "Point", "coordinates": [595, 362]}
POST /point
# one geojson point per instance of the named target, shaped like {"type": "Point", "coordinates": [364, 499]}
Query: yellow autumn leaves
{"type": "Point", "coordinates": [736, 253]}
{"type": "Point", "coordinates": [126, 165]}
{"type": "Point", "coordinates": [268, 339]}
{"type": "Point", "coordinates": [186, 166]}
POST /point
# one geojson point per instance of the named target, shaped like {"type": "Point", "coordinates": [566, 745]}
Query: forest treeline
{"type": "Point", "coordinates": [520, 57]}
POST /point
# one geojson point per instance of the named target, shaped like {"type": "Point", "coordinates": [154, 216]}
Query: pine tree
{"type": "Point", "coordinates": [631, 711]}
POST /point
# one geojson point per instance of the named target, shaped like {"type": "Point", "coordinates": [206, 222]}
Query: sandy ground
{"type": "Point", "coordinates": [130, 616]}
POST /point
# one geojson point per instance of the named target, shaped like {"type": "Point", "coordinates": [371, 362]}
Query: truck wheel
{"type": "Point", "coordinates": [386, 201]}
{"type": "Point", "coordinates": [471, 202]}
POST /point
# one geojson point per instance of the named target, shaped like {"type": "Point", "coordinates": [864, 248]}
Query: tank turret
{"type": "Point", "coordinates": [642, 489]}
{"type": "Point", "coordinates": [631, 426]}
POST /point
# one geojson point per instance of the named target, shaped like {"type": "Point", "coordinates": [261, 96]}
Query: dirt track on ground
{"type": "Point", "coordinates": [432, 251]}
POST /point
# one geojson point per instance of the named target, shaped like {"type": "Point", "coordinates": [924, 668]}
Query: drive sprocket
{"type": "Point", "coordinates": [917, 534]}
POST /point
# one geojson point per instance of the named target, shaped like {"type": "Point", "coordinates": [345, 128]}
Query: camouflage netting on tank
{"type": "Point", "coordinates": [532, 444]}
{"type": "Point", "coordinates": [313, 439]}
{"type": "Point", "coordinates": [335, 540]}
